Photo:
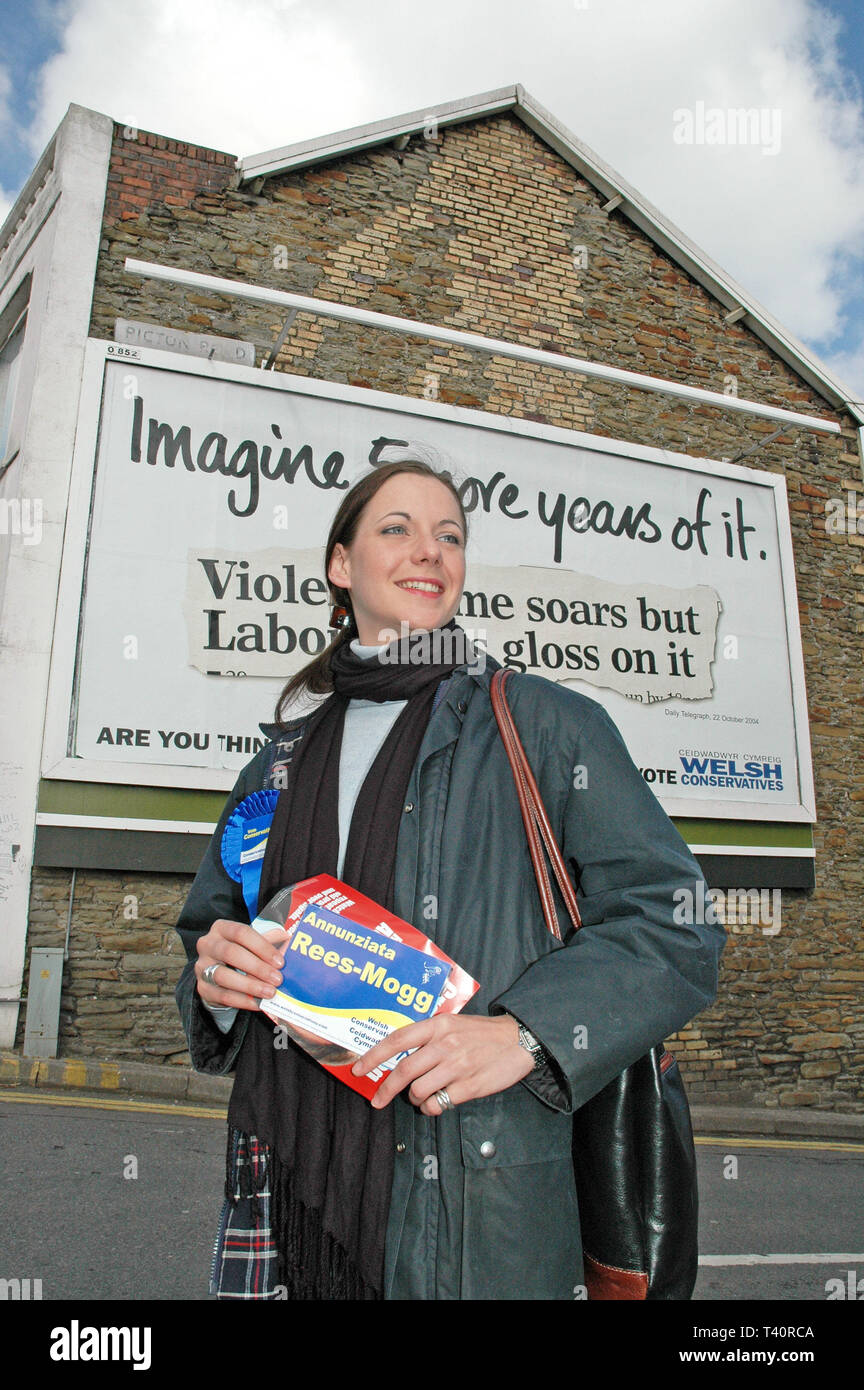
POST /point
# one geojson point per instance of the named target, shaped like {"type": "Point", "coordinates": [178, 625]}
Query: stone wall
{"type": "Point", "coordinates": [486, 229]}
{"type": "Point", "coordinates": [124, 960]}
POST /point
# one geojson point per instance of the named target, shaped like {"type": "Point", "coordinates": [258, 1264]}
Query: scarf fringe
{"type": "Point", "coordinates": [312, 1265]}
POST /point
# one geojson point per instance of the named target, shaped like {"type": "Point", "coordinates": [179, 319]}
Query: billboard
{"type": "Point", "coordinates": [193, 586]}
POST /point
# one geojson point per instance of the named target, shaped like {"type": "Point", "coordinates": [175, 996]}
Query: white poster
{"type": "Point", "coordinates": [657, 584]}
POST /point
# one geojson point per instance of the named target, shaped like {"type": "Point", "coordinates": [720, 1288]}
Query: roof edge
{"type": "Point", "coordinates": [687, 254]}
{"type": "Point", "coordinates": [18, 210]}
{"type": "Point", "coordinates": [601, 176]}
{"type": "Point", "coordinates": [575, 152]}
{"type": "Point", "coordinates": [75, 118]}
{"type": "Point", "coordinates": [342, 142]}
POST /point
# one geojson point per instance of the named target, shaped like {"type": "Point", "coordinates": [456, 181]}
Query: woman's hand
{"type": "Point", "coordinates": [467, 1057]}
{"type": "Point", "coordinates": [250, 966]}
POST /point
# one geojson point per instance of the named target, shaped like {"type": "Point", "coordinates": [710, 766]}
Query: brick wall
{"type": "Point", "coordinates": [486, 229]}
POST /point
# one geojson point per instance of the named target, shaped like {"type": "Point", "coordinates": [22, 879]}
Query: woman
{"type": "Point", "coordinates": [456, 1182]}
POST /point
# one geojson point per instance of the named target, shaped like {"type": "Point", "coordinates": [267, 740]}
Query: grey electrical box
{"type": "Point", "coordinates": [43, 1002]}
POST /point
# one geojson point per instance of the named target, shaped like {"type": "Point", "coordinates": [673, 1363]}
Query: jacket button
{"type": "Point", "coordinates": [487, 1149]}
{"type": "Point", "coordinates": [461, 706]}
{"type": "Point", "coordinates": [400, 1147]}
{"type": "Point", "coordinates": [409, 805]}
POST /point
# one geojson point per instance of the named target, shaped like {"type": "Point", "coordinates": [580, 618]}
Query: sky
{"type": "Point", "coordinates": [648, 86]}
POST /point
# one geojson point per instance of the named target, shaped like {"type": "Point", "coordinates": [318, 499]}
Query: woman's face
{"type": "Point", "coordinates": [410, 530]}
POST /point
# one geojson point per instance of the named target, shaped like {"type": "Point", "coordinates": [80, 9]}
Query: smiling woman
{"type": "Point", "coordinates": [408, 570]}
{"type": "Point", "coordinates": [457, 1181]}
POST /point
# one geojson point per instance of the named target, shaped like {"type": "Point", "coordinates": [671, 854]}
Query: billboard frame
{"type": "Point", "coordinates": [58, 763]}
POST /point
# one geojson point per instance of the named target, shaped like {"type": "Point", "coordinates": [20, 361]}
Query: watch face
{"type": "Point", "coordinates": [530, 1044]}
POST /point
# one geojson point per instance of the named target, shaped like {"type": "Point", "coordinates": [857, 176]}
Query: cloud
{"type": "Point", "coordinates": [6, 199]}
{"type": "Point", "coordinates": [848, 365]}
{"type": "Point", "coordinates": [5, 93]}
{"type": "Point", "coordinates": [226, 73]}
{"type": "Point", "coordinates": [784, 216]}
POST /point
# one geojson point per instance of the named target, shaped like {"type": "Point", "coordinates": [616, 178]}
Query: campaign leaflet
{"type": "Point", "coordinates": [353, 974]}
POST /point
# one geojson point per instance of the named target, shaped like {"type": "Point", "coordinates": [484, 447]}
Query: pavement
{"type": "Point", "coordinates": [141, 1081]}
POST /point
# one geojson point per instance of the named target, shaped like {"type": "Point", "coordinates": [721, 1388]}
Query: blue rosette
{"type": "Point", "coordinates": [244, 841]}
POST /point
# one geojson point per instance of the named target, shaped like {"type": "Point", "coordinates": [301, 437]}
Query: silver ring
{"type": "Point", "coordinates": [209, 971]}
{"type": "Point", "coordinates": [444, 1100]}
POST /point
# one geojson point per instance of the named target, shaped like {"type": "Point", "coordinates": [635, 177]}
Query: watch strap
{"type": "Point", "coordinates": [530, 1044]}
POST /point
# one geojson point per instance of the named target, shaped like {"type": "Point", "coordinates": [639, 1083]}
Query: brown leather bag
{"type": "Point", "coordinates": [633, 1153]}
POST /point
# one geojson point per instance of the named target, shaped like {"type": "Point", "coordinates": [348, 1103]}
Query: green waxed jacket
{"type": "Point", "coordinates": [483, 1202]}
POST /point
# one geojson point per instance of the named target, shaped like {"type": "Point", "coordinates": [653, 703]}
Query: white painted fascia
{"type": "Point", "coordinates": [601, 176]}
{"type": "Point", "coordinates": [350, 313]}
{"type": "Point", "coordinates": [21, 210]}
{"type": "Point", "coordinates": [326, 147]}
{"type": "Point", "coordinates": [67, 821]}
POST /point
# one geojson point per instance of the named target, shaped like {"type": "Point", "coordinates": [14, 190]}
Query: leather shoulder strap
{"type": "Point", "coordinates": [534, 817]}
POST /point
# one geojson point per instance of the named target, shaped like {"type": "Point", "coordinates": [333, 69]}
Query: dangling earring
{"type": "Point", "coordinates": [340, 617]}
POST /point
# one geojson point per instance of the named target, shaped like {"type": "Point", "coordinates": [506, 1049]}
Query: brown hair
{"type": "Point", "coordinates": [316, 677]}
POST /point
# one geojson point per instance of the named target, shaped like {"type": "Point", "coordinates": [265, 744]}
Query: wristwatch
{"type": "Point", "coordinates": [530, 1044]}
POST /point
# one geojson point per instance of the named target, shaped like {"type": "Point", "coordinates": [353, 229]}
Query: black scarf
{"type": "Point", "coordinates": [332, 1154]}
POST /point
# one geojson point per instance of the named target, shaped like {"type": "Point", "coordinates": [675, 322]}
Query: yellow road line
{"type": "Point", "coordinates": [211, 1113]}
{"type": "Point", "coordinates": [100, 1103]}
{"type": "Point", "coordinates": [729, 1141]}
